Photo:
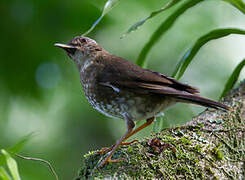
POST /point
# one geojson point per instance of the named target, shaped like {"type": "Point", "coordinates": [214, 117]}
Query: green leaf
{"type": "Point", "coordinates": [166, 25]}
{"type": "Point", "coordinates": [17, 147]}
{"type": "Point", "coordinates": [108, 6]}
{"type": "Point", "coordinates": [239, 4]}
{"type": "Point", "coordinates": [153, 14]}
{"type": "Point", "coordinates": [12, 165]}
{"type": "Point", "coordinates": [4, 175]}
{"type": "Point", "coordinates": [189, 55]}
{"type": "Point", "coordinates": [233, 78]}
{"type": "Point", "coordinates": [158, 124]}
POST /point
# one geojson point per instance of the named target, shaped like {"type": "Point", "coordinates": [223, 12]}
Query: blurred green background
{"type": "Point", "coordinates": [40, 90]}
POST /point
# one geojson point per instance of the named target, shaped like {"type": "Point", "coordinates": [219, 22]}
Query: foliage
{"type": "Point", "coordinates": [10, 162]}
{"type": "Point", "coordinates": [12, 166]}
{"type": "Point", "coordinates": [239, 4]}
{"type": "Point", "coordinates": [17, 147]}
{"type": "Point", "coordinates": [163, 28]}
{"type": "Point", "coordinates": [138, 24]}
{"type": "Point", "coordinates": [233, 78]}
{"type": "Point", "coordinates": [108, 6]}
{"type": "Point", "coordinates": [190, 54]}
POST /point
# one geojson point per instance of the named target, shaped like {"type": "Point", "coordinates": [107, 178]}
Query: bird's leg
{"type": "Point", "coordinates": [128, 143]}
{"type": "Point", "coordinates": [147, 123]}
{"type": "Point", "coordinates": [130, 127]}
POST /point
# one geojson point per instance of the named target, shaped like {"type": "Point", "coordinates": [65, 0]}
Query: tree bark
{"type": "Point", "coordinates": [210, 146]}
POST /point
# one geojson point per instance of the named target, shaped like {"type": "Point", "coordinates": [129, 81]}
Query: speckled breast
{"type": "Point", "coordinates": [121, 102]}
{"type": "Point", "coordinates": [118, 104]}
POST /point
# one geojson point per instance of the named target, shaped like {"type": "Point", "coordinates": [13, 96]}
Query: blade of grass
{"type": "Point", "coordinates": [233, 78]}
{"type": "Point", "coordinates": [236, 3]}
{"type": "Point", "coordinates": [166, 25]}
{"type": "Point", "coordinates": [12, 165]}
{"type": "Point", "coordinates": [157, 126]}
{"type": "Point", "coordinates": [138, 24]}
{"type": "Point", "coordinates": [17, 147]}
{"type": "Point", "coordinates": [4, 175]}
{"type": "Point", "coordinates": [239, 4]}
{"type": "Point", "coordinates": [20, 144]}
{"type": "Point", "coordinates": [108, 6]}
{"type": "Point", "coordinates": [189, 55]}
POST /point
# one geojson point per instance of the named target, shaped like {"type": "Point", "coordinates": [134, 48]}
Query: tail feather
{"type": "Point", "coordinates": [195, 99]}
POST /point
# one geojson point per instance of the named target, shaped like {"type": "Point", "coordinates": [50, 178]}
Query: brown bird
{"type": "Point", "coordinates": [119, 88]}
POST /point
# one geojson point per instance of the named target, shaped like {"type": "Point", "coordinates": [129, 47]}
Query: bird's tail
{"type": "Point", "coordinates": [195, 99]}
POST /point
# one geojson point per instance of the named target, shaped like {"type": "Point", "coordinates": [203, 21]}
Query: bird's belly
{"type": "Point", "coordinates": [119, 104]}
{"type": "Point", "coordinates": [146, 107]}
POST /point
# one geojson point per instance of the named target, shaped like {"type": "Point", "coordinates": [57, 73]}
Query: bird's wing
{"type": "Point", "coordinates": [119, 73]}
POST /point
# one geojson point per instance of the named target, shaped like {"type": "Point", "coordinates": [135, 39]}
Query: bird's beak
{"type": "Point", "coordinates": [64, 46]}
{"type": "Point", "coordinates": [68, 48]}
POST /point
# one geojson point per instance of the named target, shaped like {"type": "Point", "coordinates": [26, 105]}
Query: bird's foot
{"type": "Point", "coordinates": [104, 162]}
{"type": "Point", "coordinates": [104, 150]}
{"type": "Point", "coordinates": [108, 149]}
{"type": "Point", "coordinates": [109, 160]}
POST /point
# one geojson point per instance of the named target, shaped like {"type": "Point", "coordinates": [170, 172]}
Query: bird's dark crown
{"type": "Point", "coordinates": [85, 44]}
{"type": "Point", "coordinates": [81, 41]}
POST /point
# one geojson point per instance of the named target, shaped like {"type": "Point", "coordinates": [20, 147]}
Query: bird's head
{"type": "Point", "coordinates": [80, 48]}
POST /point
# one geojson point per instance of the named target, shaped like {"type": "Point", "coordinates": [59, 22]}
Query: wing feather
{"type": "Point", "coordinates": [122, 73]}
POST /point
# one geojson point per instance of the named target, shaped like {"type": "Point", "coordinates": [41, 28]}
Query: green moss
{"type": "Point", "coordinates": [130, 149]}
{"type": "Point", "coordinates": [218, 152]}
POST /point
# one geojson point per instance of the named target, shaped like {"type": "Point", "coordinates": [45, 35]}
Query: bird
{"type": "Point", "coordinates": [119, 88]}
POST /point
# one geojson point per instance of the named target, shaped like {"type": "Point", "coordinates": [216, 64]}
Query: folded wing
{"type": "Point", "coordinates": [122, 74]}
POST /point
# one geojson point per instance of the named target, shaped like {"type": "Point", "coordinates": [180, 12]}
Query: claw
{"type": "Point", "coordinates": [104, 150]}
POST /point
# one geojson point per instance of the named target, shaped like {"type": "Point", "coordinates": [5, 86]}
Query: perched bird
{"type": "Point", "coordinates": [119, 88]}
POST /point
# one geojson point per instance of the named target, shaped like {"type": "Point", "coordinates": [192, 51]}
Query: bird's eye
{"type": "Point", "coordinates": [83, 40]}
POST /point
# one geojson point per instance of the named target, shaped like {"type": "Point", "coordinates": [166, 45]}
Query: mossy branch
{"type": "Point", "coordinates": [210, 146]}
